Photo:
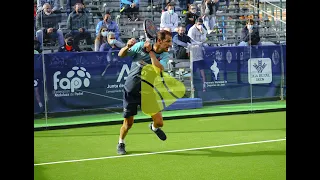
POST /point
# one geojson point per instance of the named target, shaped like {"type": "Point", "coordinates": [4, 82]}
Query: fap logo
{"type": "Point", "coordinates": [74, 79]}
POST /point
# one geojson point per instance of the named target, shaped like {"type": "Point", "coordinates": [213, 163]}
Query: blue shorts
{"type": "Point", "coordinates": [132, 99]}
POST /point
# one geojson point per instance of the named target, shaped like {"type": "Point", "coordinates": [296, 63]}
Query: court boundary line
{"type": "Point", "coordinates": [160, 152]}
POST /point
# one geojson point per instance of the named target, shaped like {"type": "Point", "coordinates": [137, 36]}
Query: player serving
{"type": "Point", "coordinates": [142, 53]}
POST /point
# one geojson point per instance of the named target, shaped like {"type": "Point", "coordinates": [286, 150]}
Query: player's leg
{"type": "Point", "coordinates": [156, 125]}
{"type": "Point", "coordinates": [129, 111]}
{"type": "Point", "coordinates": [153, 109]}
{"type": "Point", "coordinates": [126, 125]}
{"type": "Point", "coordinates": [157, 120]}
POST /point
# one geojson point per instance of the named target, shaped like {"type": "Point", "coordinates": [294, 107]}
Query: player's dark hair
{"type": "Point", "coordinates": [162, 34]}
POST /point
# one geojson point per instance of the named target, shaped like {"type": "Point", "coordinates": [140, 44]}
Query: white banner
{"type": "Point", "coordinates": [259, 70]}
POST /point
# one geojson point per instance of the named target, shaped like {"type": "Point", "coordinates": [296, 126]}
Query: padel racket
{"type": "Point", "coordinates": [105, 69]}
{"type": "Point", "coordinates": [150, 30]}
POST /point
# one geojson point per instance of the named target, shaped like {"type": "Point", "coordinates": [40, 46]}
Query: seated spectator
{"type": "Point", "coordinates": [69, 45]}
{"type": "Point", "coordinates": [47, 26]}
{"type": "Point", "coordinates": [78, 24]}
{"type": "Point", "coordinates": [109, 25]}
{"type": "Point", "coordinates": [198, 37]}
{"type": "Point", "coordinates": [53, 3]}
{"type": "Point", "coordinates": [130, 8]}
{"type": "Point", "coordinates": [191, 17]}
{"type": "Point", "coordinates": [70, 4]}
{"type": "Point", "coordinates": [170, 19]}
{"type": "Point", "coordinates": [250, 34]}
{"type": "Point", "coordinates": [180, 44]}
{"type": "Point", "coordinates": [101, 38]}
{"type": "Point", "coordinates": [185, 5]}
{"type": "Point", "coordinates": [111, 43]}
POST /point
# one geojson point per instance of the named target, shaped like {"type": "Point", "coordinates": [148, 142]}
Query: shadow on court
{"type": "Point", "coordinates": [215, 153]}
{"type": "Point", "coordinates": [102, 133]}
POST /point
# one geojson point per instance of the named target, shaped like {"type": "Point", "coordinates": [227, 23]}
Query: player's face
{"type": "Point", "coordinates": [166, 43]}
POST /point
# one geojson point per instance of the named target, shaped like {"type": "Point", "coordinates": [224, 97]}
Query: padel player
{"type": "Point", "coordinates": [142, 53]}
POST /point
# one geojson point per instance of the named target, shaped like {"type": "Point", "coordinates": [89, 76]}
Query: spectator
{"type": "Point", "coordinates": [170, 19]}
{"type": "Point", "coordinates": [130, 8]}
{"type": "Point", "coordinates": [100, 38]}
{"type": "Point", "coordinates": [69, 45]}
{"type": "Point", "coordinates": [198, 37]}
{"type": "Point", "coordinates": [78, 24]}
{"type": "Point", "coordinates": [191, 17]}
{"type": "Point", "coordinates": [208, 13]}
{"type": "Point", "coordinates": [111, 43]}
{"type": "Point", "coordinates": [250, 34]}
{"type": "Point", "coordinates": [180, 44]}
{"type": "Point", "coordinates": [109, 25]}
{"type": "Point", "coordinates": [70, 4]}
{"type": "Point", "coordinates": [47, 26]}
{"type": "Point", "coordinates": [53, 3]}
{"type": "Point", "coordinates": [185, 5]}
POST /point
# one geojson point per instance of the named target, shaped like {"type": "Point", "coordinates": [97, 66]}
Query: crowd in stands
{"type": "Point", "coordinates": [199, 21]}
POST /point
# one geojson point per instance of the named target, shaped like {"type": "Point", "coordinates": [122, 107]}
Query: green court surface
{"type": "Point", "coordinates": [115, 116]}
{"type": "Point", "coordinates": [231, 147]}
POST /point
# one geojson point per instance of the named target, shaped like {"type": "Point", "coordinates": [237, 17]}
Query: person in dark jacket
{"type": "Point", "coordinates": [69, 46]}
{"type": "Point", "coordinates": [191, 17]}
{"type": "Point", "coordinates": [47, 28]}
{"type": "Point", "coordinates": [250, 34]}
{"type": "Point", "coordinates": [180, 44]}
{"type": "Point", "coordinates": [78, 24]}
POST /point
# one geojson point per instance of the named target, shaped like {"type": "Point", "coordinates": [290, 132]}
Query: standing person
{"type": "Point", "coordinates": [198, 37]}
{"type": "Point", "coordinates": [142, 53]}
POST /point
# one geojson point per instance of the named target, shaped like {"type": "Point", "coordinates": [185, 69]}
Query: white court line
{"type": "Point", "coordinates": [99, 95]}
{"type": "Point", "coordinates": [161, 152]}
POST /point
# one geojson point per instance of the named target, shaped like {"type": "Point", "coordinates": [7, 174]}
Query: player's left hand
{"type": "Point", "coordinates": [131, 42]}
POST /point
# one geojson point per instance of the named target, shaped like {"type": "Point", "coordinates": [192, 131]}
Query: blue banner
{"type": "Point", "coordinates": [85, 80]}
{"type": "Point", "coordinates": [284, 50]}
{"type": "Point", "coordinates": [226, 73]}
{"type": "Point", "coordinates": [38, 84]}
{"type": "Point", "coordinates": [89, 80]}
